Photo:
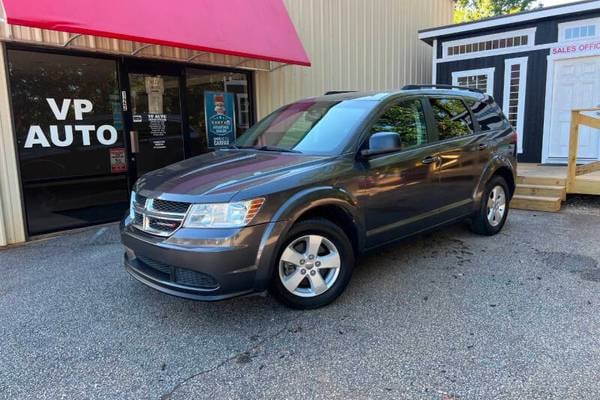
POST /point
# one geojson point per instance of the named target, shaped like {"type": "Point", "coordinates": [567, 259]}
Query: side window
{"type": "Point", "coordinates": [452, 118]}
{"type": "Point", "coordinates": [487, 113]}
{"type": "Point", "coordinates": [407, 119]}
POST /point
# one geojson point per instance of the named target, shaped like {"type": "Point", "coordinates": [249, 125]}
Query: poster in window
{"type": "Point", "coordinates": [220, 118]}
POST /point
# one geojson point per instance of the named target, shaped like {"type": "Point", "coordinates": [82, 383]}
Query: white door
{"type": "Point", "coordinates": [576, 85]}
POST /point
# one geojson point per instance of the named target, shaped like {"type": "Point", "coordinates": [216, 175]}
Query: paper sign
{"type": "Point", "coordinates": [118, 160]}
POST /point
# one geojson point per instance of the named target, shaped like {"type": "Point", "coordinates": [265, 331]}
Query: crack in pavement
{"type": "Point", "coordinates": [168, 396]}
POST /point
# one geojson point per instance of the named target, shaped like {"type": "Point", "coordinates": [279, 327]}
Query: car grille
{"type": "Point", "coordinates": [170, 206]}
{"type": "Point", "coordinates": [180, 276]}
{"type": "Point", "coordinates": [158, 217]}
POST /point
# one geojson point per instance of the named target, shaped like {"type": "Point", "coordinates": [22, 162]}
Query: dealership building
{"type": "Point", "coordinates": [539, 65]}
{"type": "Point", "coordinates": [95, 94]}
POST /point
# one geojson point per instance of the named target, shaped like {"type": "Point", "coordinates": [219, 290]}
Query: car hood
{"type": "Point", "coordinates": [218, 176]}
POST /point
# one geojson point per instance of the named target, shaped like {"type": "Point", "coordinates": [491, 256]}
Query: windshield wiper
{"type": "Point", "coordinates": [274, 148]}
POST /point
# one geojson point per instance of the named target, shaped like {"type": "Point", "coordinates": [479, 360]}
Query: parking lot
{"type": "Point", "coordinates": [448, 315]}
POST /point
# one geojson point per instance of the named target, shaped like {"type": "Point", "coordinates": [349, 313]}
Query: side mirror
{"type": "Point", "coordinates": [383, 142]}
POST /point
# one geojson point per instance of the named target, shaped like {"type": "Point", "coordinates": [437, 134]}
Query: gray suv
{"type": "Point", "coordinates": [308, 189]}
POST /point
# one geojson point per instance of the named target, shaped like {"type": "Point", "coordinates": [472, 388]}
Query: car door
{"type": "Point", "coordinates": [394, 186]}
{"type": "Point", "coordinates": [458, 145]}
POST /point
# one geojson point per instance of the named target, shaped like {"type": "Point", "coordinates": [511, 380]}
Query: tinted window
{"type": "Point", "coordinates": [452, 118]}
{"type": "Point", "coordinates": [309, 126]}
{"type": "Point", "coordinates": [487, 113]}
{"type": "Point", "coordinates": [407, 119]}
{"type": "Point", "coordinates": [69, 134]}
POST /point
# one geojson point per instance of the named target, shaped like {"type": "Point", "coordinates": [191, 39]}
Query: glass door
{"type": "Point", "coordinates": [156, 127]}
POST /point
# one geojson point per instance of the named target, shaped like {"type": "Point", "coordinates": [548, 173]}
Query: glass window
{"type": "Point", "coordinates": [488, 114]}
{"type": "Point", "coordinates": [69, 133]}
{"type": "Point", "coordinates": [407, 119]}
{"type": "Point", "coordinates": [578, 32]}
{"type": "Point", "coordinates": [452, 118]}
{"type": "Point", "coordinates": [198, 83]}
{"type": "Point", "coordinates": [479, 82]}
{"type": "Point", "coordinates": [309, 126]}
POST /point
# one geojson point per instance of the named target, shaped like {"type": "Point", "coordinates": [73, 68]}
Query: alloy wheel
{"type": "Point", "coordinates": [496, 205]}
{"type": "Point", "coordinates": [309, 266]}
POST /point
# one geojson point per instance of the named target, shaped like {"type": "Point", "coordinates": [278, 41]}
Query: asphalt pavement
{"type": "Point", "coordinates": [449, 315]}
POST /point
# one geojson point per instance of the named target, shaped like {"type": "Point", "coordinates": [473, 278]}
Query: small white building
{"type": "Point", "coordinates": [539, 65]}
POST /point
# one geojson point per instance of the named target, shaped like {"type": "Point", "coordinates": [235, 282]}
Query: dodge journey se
{"type": "Point", "coordinates": [305, 191]}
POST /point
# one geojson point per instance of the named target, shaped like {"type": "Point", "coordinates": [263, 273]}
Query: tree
{"type": "Point", "coordinates": [470, 10]}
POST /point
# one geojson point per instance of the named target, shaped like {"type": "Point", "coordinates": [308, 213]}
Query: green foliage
{"type": "Point", "coordinates": [470, 10]}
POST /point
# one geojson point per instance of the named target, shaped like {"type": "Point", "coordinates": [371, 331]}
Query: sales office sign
{"type": "Point", "coordinates": [104, 134]}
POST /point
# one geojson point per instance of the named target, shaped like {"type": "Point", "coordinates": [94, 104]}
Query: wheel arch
{"type": "Point", "coordinates": [498, 166]}
{"type": "Point", "coordinates": [333, 204]}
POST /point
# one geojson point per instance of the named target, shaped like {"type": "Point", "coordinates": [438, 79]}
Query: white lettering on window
{"type": "Point", "coordinates": [61, 114]}
{"type": "Point", "coordinates": [85, 132]}
{"type": "Point", "coordinates": [102, 137]}
{"type": "Point", "coordinates": [56, 139]}
{"type": "Point", "coordinates": [36, 136]}
{"type": "Point", "coordinates": [106, 134]}
{"type": "Point", "coordinates": [81, 106]}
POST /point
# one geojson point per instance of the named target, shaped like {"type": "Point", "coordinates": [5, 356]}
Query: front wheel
{"type": "Point", "coordinates": [314, 265]}
{"type": "Point", "coordinates": [493, 209]}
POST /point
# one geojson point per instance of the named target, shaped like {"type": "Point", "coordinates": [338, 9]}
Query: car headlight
{"type": "Point", "coordinates": [222, 215]}
{"type": "Point", "coordinates": [132, 206]}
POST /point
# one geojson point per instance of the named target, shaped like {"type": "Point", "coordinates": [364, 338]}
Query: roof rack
{"type": "Point", "coordinates": [432, 86]}
{"type": "Point", "coordinates": [339, 92]}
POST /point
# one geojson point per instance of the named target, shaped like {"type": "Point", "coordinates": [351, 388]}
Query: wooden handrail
{"type": "Point", "coordinates": [573, 170]}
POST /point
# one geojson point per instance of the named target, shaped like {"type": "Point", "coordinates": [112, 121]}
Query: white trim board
{"type": "Point", "coordinates": [511, 19]}
{"type": "Point", "coordinates": [522, 61]}
{"type": "Point", "coordinates": [529, 32]}
{"type": "Point", "coordinates": [434, 61]}
{"type": "Point", "coordinates": [489, 72]}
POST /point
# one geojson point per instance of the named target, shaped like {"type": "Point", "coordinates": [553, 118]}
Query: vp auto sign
{"type": "Point", "coordinates": [36, 136]}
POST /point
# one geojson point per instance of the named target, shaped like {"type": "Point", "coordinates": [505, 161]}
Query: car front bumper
{"type": "Point", "coordinates": [191, 265]}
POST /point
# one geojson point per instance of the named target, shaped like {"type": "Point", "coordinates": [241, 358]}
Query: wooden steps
{"type": "Point", "coordinates": [541, 190]}
{"type": "Point", "coordinates": [539, 193]}
{"type": "Point", "coordinates": [541, 180]}
{"type": "Point", "coordinates": [536, 203]}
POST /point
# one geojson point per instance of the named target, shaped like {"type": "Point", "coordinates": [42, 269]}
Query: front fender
{"type": "Point", "coordinates": [289, 212]}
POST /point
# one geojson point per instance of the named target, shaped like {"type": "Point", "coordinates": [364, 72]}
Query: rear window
{"type": "Point", "coordinates": [488, 114]}
{"type": "Point", "coordinates": [452, 118]}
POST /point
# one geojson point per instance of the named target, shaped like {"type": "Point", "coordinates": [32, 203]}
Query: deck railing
{"type": "Point", "coordinates": [574, 170]}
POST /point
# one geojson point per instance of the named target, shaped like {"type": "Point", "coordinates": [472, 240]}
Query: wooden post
{"type": "Point", "coordinates": [573, 144]}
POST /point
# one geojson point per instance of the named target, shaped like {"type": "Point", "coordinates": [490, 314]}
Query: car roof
{"type": "Point", "coordinates": [381, 95]}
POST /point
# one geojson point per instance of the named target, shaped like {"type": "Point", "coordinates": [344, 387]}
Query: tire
{"type": "Point", "coordinates": [484, 224]}
{"type": "Point", "coordinates": [295, 266]}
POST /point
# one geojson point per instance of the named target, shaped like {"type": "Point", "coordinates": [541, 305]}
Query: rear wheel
{"type": "Point", "coordinates": [314, 265]}
{"type": "Point", "coordinates": [493, 209]}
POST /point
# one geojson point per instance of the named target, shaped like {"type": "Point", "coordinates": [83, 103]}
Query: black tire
{"type": "Point", "coordinates": [338, 238]}
{"type": "Point", "coordinates": [480, 223]}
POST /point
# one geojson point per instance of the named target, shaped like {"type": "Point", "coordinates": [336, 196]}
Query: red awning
{"type": "Point", "coordinates": [258, 29]}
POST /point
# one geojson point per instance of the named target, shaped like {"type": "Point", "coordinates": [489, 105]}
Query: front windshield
{"type": "Point", "coordinates": [308, 126]}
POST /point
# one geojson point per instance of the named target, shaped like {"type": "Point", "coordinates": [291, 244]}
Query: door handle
{"type": "Point", "coordinates": [133, 139]}
{"type": "Point", "coordinates": [482, 146]}
{"type": "Point", "coordinates": [431, 159]}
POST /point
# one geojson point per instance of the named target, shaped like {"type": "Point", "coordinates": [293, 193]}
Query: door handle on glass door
{"type": "Point", "coordinates": [133, 140]}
